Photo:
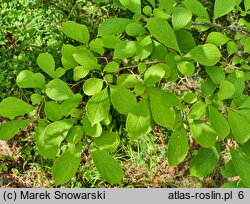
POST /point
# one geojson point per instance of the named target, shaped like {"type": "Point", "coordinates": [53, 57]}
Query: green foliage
{"type": "Point", "coordinates": [123, 80]}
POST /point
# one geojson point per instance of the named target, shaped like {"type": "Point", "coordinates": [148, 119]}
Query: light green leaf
{"type": "Point", "coordinates": [80, 72]}
{"type": "Point", "coordinates": [58, 90]}
{"type": "Point", "coordinates": [75, 134]}
{"type": "Point", "coordinates": [242, 166]}
{"type": "Point", "coordinates": [98, 106]}
{"type": "Point", "coordinates": [67, 59]}
{"type": "Point", "coordinates": [52, 110]}
{"type": "Point", "coordinates": [139, 120]}
{"type": "Point", "coordinates": [57, 131]}
{"type": "Point", "coordinates": [204, 162]}
{"type": "Point", "coordinates": [36, 99]}
{"type": "Point", "coordinates": [189, 97]}
{"type": "Point", "coordinates": [239, 125]}
{"type": "Point", "coordinates": [232, 47]}
{"type": "Point", "coordinates": [196, 7]}
{"type": "Point", "coordinates": [59, 72]}
{"type": "Point", "coordinates": [110, 41]}
{"type": "Point", "coordinates": [197, 111]}
{"type": "Point", "coordinates": [86, 58]}
{"type": "Point", "coordinates": [162, 31]}
{"type": "Point", "coordinates": [216, 74]}
{"type": "Point", "coordinates": [161, 13]}
{"type": "Point", "coordinates": [92, 86]}
{"type": "Point", "coordinates": [232, 184]}
{"type": "Point", "coordinates": [207, 86]}
{"type": "Point", "coordinates": [108, 141]}
{"type": "Point", "coordinates": [186, 68]}
{"type": "Point", "coordinates": [66, 165]}
{"type": "Point", "coordinates": [218, 122]}
{"type": "Point", "coordinates": [11, 107]}
{"type": "Point", "coordinates": [160, 104]}
{"type": "Point", "coordinates": [135, 29]}
{"type": "Point", "coordinates": [12, 128]}
{"type": "Point", "coordinates": [144, 48]}
{"type": "Point", "coordinates": [226, 90]}
{"type": "Point", "coordinates": [154, 74]}
{"type": "Point", "coordinates": [76, 31]}
{"type": "Point", "coordinates": [247, 45]}
{"type": "Point", "coordinates": [111, 67]}
{"type": "Point", "coordinates": [113, 26]}
{"type": "Point", "coordinates": [27, 79]}
{"type": "Point", "coordinates": [245, 148]}
{"type": "Point", "coordinates": [126, 80]}
{"type": "Point", "coordinates": [207, 54]}
{"type": "Point", "coordinates": [124, 49]}
{"type": "Point", "coordinates": [132, 5]}
{"type": "Point", "coordinates": [181, 17]}
{"type": "Point", "coordinates": [93, 131]}
{"type": "Point", "coordinates": [223, 7]}
{"type": "Point", "coordinates": [122, 99]}
{"type": "Point", "coordinates": [217, 38]}
{"type": "Point", "coordinates": [177, 146]}
{"type": "Point", "coordinates": [203, 133]}
{"type": "Point", "coordinates": [47, 63]}
{"type": "Point", "coordinates": [247, 4]}
{"type": "Point", "coordinates": [96, 45]}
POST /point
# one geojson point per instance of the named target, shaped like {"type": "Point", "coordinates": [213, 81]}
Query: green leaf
{"type": "Point", "coordinates": [154, 74]}
{"type": "Point", "coordinates": [185, 40]}
{"type": "Point", "coordinates": [245, 148]}
{"type": "Point", "coordinates": [67, 59]}
{"type": "Point", "coordinates": [196, 7]}
{"type": "Point", "coordinates": [80, 72]}
{"type": "Point", "coordinates": [159, 51]}
{"type": "Point", "coordinates": [237, 79]}
{"type": "Point", "coordinates": [152, 2]}
{"type": "Point", "coordinates": [226, 90]}
{"type": "Point", "coordinates": [218, 122]}
{"type": "Point", "coordinates": [92, 86]}
{"type": "Point", "coordinates": [204, 162]}
{"type": "Point", "coordinates": [52, 110]}
{"type": "Point", "coordinates": [139, 120]}
{"type": "Point", "coordinates": [247, 45]}
{"type": "Point", "coordinates": [111, 67]}
{"type": "Point", "coordinates": [135, 29]}
{"type": "Point", "coordinates": [58, 90]}
{"type": "Point", "coordinates": [27, 79]}
{"type": "Point", "coordinates": [207, 54]}
{"type": "Point", "coordinates": [59, 72]}
{"type": "Point", "coordinates": [207, 86]}
{"type": "Point", "coordinates": [132, 5]}
{"type": "Point", "coordinates": [144, 48]}
{"type": "Point", "coordinates": [75, 134]}
{"type": "Point", "coordinates": [126, 80]}
{"type": "Point", "coordinates": [197, 111]}
{"type": "Point", "coordinates": [86, 58]}
{"type": "Point", "coordinates": [242, 166]}
{"type": "Point", "coordinates": [113, 26]}
{"type": "Point", "coordinates": [108, 141]}
{"type": "Point", "coordinates": [181, 17]}
{"type": "Point", "coordinates": [108, 167]}
{"type": "Point", "coordinates": [177, 146]}
{"type": "Point", "coordinates": [124, 49]}
{"type": "Point", "coordinates": [161, 13]}
{"type": "Point", "coordinates": [232, 184]}
{"type": "Point", "coordinates": [110, 41]}
{"type": "Point", "coordinates": [186, 68]}
{"type": "Point", "coordinates": [122, 99]}
{"type": "Point", "coordinates": [228, 170]}
{"type": "Point", "coordinates": [203, 133]}
{"type": "Point", "coordinates": [160, 104]}
{"type": "Point", "coordinates": [12, 128]}
{"type": "Point", "coordinates": [223, 7]}
{"type": "Point", "coordinates": [240, 126]}
{"type": "Point", "coordinates": [217, 38]}
{"type": "Point", "coordinates": [76, 31]}
{"type": "Point", "coordinates": [216, 74]}
{"type": "Point", "coordinates": [11, 107]}
{"type": "Point", "coordinates": [36, 99]}
{"type": "Point", "coordinates": [247, 5]}
{"type": "Point", "coordinates": [47, 63]}
{"type": "Point", "coordinates": [96, 45]}
{"type": "Point", "coordinates": [93, 131]}
{"type": "Point", "coordinates": [98, 106]}
{"type": "Point", "coordinates": [45, 150]}
{"type": "Point", "coordinates": [57, 131]}
{"type": "Point", "coordinates": [162, 31]}
{"type": "Point", "coordinates": [66, 165]}
{"type": "Point", "coordinates": [189, 97]}
{"type": "Point", "coordinates": [232, 47]}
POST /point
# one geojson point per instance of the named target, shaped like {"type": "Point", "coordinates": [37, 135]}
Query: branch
{"type": "Point", "coordinates": [231, 27]}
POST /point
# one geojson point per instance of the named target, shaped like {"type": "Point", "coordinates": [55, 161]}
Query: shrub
{"type": "Point", "coordinates": [134, 68]}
